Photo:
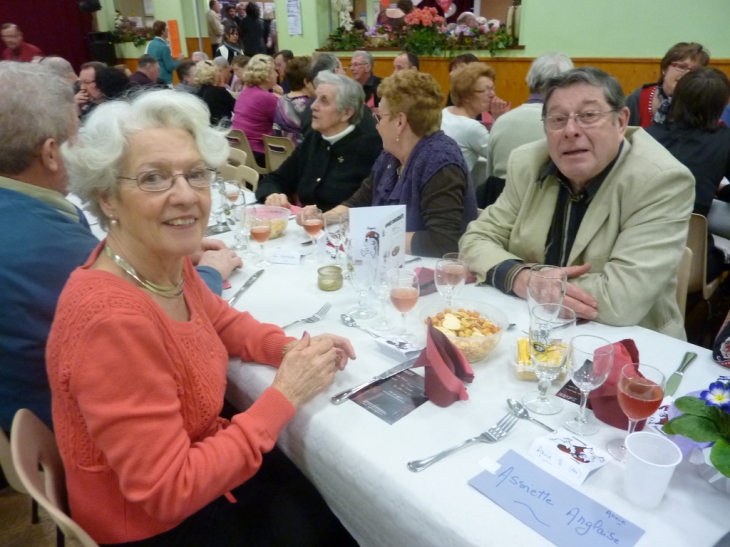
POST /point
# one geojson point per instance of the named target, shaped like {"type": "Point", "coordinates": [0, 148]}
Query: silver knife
{"type": "Point", "coordinates": [342, 397]}
{"type": "Point", "coordinates": [676, 378]}
{"type": "Point", "coordinates": [246, 285]}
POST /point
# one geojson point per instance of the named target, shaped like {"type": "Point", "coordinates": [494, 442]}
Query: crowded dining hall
{"type": "Point", "coordinates": [355, 273]}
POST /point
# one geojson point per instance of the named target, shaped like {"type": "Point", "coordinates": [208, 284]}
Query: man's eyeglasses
{"type": "Point", "coordinates": [355, 65]}
{"type": "Point", "coordinates": [682, 67]}
{"type": "Point", "coordinates": [160, 180]}
{"type": "Point", "coordinates": [583, 119]}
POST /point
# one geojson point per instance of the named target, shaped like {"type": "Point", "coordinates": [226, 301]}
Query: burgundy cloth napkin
{"type": "Point", "coordinates": [427, 284]}
{"type": "Point", "coordinates": [604, 400]}
{"type": "Point", "coordinates": [446, 367]}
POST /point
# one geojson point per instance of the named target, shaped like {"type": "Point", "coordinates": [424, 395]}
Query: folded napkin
{"type": "Point", "coordinates": [446, 367]}
{"type": "Point", "coordinates": [604, 400]}
{"type": "Point", "coordinates": [426, 282]}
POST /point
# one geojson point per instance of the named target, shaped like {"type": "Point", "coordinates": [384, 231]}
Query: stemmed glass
{"type": "Point", "coordinates": [551, 326]}
{"type": "Point", "coordinates": [242, 229]}
{"type": "Point", "coordinates": [404, 290]}
{"type": "Point", "coordinates": [332, 228]}
{"type": "Point", "coordinates": [591, 358]}
{"type": "Point", "coordinates": [449, 277]}
{"type": "Point", "coordinates": [219, 227]}
{"type": "Point", "coordinates": [382, 323]}
{"type": "Point", "coordinates": [260, 232]}
{"type": "Point", "coordinates": [345, 237]}
{"type": "Point", "coordinates": [362, 277]}
{"type": "Point", "coordinates": [546, 285]}
{"type": "Point", "coordinates": [312, 222]}
{"type": "Point", "coordinates": [233, 192]}
{"type": "Point", "coordinates": [640, 393]}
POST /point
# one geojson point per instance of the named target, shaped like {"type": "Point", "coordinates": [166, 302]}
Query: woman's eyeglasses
{"type": "Point", "coordinates": [160, 180]}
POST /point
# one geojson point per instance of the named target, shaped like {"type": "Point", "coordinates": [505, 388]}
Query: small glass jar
{"type": "Point", "coordinates": [330, 278]}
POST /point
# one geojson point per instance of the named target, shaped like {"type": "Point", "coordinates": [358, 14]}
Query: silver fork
{"type": "Point", "coordinates": [495, 433]}
{"type": "Point", "coordinates": [314, 318]}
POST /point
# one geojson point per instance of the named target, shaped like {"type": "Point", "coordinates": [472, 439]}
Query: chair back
{"type": "Point", "coordinates": [236, 157]}
{"type": "Point", "coordinates": [6, 463]}
{"type": "Point", "coordinates": [228, 172]}
{"type": "Point", "coordinates": [278, 149]}
{"type": "Point", "coordinates": [237, 139]}
{"type": "Point", "coordinates": [685, 266]}
{"type": "Point", "coordinates": [248, 177]}
{"type": "Point", "coordinates": [718, 220]}
{"type": "Point", "coordinates": [697, 242]}
{"type": "Point", "coordinates": [33, 446]}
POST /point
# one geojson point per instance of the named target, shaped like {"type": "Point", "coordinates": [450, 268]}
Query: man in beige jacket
{"type": "Point", "coordinates": [215, 26]}
{"type": "Point", "coordinates": [606, 202]}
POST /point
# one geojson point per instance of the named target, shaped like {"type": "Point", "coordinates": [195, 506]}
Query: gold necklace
{"type": "Point", "coordinates": [170, 291]}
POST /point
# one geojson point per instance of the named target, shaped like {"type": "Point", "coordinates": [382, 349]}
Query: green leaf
{"type": "Point", "coordinates": [667, 428]}
{"type": "Point", "coordinates": [695, 428]}
{"type": "Point", "coordinates": [720, 457]}
{"type": "Point", "coordinates": [692, 405]}
{"type": "Point", "coordinates": [721, 419]}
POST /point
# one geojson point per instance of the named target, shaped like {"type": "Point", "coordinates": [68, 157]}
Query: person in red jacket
{"type": "Point", "coordinates": [15, 48]}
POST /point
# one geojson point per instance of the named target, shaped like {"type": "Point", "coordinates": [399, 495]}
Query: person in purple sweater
{"type": "Point", "coordinates": [256, 106]}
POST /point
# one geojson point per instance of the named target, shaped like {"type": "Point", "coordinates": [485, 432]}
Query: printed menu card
{"type": "Point", "coordinates": [378, 236]}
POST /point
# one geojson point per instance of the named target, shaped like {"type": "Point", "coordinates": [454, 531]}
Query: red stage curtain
{"type": "Point", "coordinates": [55, 26]}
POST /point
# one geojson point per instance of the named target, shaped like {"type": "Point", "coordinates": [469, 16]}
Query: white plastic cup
{"type": "Point", "coordinates": [650, 463]}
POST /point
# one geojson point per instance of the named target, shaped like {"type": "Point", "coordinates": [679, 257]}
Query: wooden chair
{"type": "Point", "coordinates": [278, 149]}
{"type": "Point", "coordinates": [243, 175]}
{"type": "Point", "coordinates": [32, 445]}
{"type": "Point", "coordinates": [236, 157]}
{"type": "Point", "coordinates": [697, 242]}
{"type": "Point", "coordinates": [238, 139]}
{"type": "Point", "coordinates": [11, 475]}
{"type": "Point", "coordinates": [228, 172]}
{"type": "Point", "coordinates": [685, 266]}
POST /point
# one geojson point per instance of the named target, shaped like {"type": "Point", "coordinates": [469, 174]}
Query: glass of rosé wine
{"type": "Point", "coordinates": [404, 290]}
{"type": "Point", "coordinates": [312, 222]}
{"type": "Point", "coordinates": [640, 394]}
{"type": "Point", "coordinates": [260, 233]}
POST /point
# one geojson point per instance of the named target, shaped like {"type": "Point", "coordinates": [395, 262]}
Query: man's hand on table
{"type": "Point", "coordinates": [582, 303]}
{"type": "Point", "coordinates": [223, 260]}
{"type": "Point", "coordinates": [309, 366]}
{"type": "Point", "coordinates": [277, 200]}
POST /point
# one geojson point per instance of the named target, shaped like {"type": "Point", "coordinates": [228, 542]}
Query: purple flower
{"type": "Point", "coordinates": [718, 394]}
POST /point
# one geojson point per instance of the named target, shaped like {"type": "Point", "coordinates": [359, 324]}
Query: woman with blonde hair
{"type": "Point", "coordinates": [219, 101]}
{"type": "Point", "coordinates": [256, 106]}
{"type": "Point", "coordinates": [420, 167]}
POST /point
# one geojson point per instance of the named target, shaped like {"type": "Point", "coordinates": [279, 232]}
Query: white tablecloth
{"type": "Point", "coordinates": [358, 461]}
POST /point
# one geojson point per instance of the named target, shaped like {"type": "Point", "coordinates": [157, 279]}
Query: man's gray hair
{"type": "Point", "coordinates": [35, 105]}
{"type": "Point", "coordinates": [350, 94]}
{"type": "Point", "coordinates": [94, 160]}
{"type": "Point", "coordinates": [588, 75]}
{"type": "Point", "coordinates": [59, 66]}
{"type": "Point", "coordinates": [147, 60]}
{"type": "Point", "coordinates": [200, 55]}
{"type": "Point", "coordinates": [323, 61]}
{"type": "Point", "coordinates": [546, 66]}
{"type": "Point", "coordinates": [221, 62]}
{"type": "Point", "coordinates": [366, 55]}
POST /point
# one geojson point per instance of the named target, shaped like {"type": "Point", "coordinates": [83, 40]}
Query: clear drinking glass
{"type": "Point", "coordinates": [383, 322]}
{"type": "Point", "coordinates": [261, 232]}
{"type": "Point", "coordinates": [219, 214]}
{"type": "Point", "coordinates": [345, 237]}
{"type": "Point", "coordinates": [332, 228]}
{"type": "Point", "coordinates": [362, 276]}
{"type": "Point", "coordinates": [312, 222]}
{"type": "Point", "coordinates": [551, 327]}
{"type": "Point", "coordinates": [242, 229]}
{"type": "Point", "coordinates": [404, 291]}
{"type": "Point", "coordinates": [546, 285]}
{"type": "Point", "coordinates": [449, 277]}
{"type": "Point", "coordinates": [591, 358]}
{"type": "Point", "coordinates": [640, 393]}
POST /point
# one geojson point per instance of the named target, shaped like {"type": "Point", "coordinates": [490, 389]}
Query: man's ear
{"type": "Point", "coordinates": [50, 155]}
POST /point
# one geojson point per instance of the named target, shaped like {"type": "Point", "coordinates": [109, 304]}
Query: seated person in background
{"type": "Point", "coordinates": [406, 61]}
{"type": "Point", "coordinates": [420, 167]}
{"type": "Point", "coordinates": [113, 83]}
{"type": "Point", "coordinates": [472, 89]}
{"type": "Point", "coordinates": [650, 103]}
{"type": "Point", "coordinates": [225, 71]}
{"type": "Point", "coordinates": [219, 101]}
{"type": "Point", "coordinates": [520, 125]}
{"type": "Point", "coordinates": [607, 203]}
{"type": "Point", "coordinates": [62, 68]}
{"type": "Point", "coordinates": [139, 349]}
{"type": "Point", "coordinates": [361, 67]}
{"type": "Point", "coordinates": [255, 106]}
{"type": "Point", "coordinates": [288, 116]}
{"type": "Point", "coordinates": [88, 97]}
{"type": "Point", "coordinates": [238, 65]}
{"type": "Point", "coordinates": [17, 49]}
{"type": "Point", "coordinates": [148, 72]}
{"type": "Point", "coordinates": [497, 106]}
{"type": "Point", "coordinates": [186, 74]}
{"type": "Point", "coordinates": [334, 158]}
{"type": "Point", "coordinates": [198, 56]}
{"type": "Point", "coordinates": [280, 61]}
{"type": "Point", "coordinates": [322, 62]}
{"type": "Point", "coordinates": [694, 135]}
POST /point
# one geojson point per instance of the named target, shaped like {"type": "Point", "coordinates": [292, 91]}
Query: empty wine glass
{"type": "Point", "coordinates": [404, 290]}
{"type": "Point", "coordinates": [219, 227]}
{"type": "Point", "coordinates": [332, 228]}
{"type": "Point", "coordinates": [546, 285]}
{"type": "Point", "coordinates": [551, 327]}
{"type": "Point", "coordinates": [640, 393]}
{"type": "Point", "coordinates": [345, 236]}
{"type": "Point", "coordinates": [260, 232]}
{"type": "Point", "coordinates": [449, 277]}
{"type": "Point", "coordinates": [362, 276]}
{"type": "Point", "coordinates": [241, 229]}
{"type": "Point", "coordinates": [591, 358]}
{"type": "Point", "coordinates": [383, 322]}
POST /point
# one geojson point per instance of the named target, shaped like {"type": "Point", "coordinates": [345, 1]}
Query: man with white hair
{"type": "Point", "coordinates": [520, 125]}
{"type": "Point", "coordinates": [43, 236]}
{"type": "Point", "coordinates": [62, 68]}
{"type": "Point", "coordinates": [198, 56]}
{"type": "Point", "coordinates": [16, 49]}
{"type": "Point", "coordinates": [361, 67]}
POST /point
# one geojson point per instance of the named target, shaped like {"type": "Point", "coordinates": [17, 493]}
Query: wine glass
{"type": "Point", "coordinates": [449, 277]}
{"type": "Point", "coordinates": [404, 290]}
{"type": "Point", "coordinates": [332, 228]}
{"type": "Point", "coordinates": [362, 276]}
{"type": "Point", "coordinates": [242, 228]}
{"type": "Point", "coordinates": [640, 393]}
{"type": "Point", "coordinates": [345, 237]}
{"type": "Point", "coordinates": [219, 227]}
{"type": "Point", "coordinates": [551, 326]}
{"type": "Point", "coordinates": [260, 232]}
{"type": "Point", "coordinates": [546, 285]}
{"type": "Point", "coordinates": [232, 192]}
{"type": "Point", "coordinates": [312, 222]}
{"type": "Point", "coordinates": [382, 323]}
{"type": "Point", "coordinates": [591, 358]}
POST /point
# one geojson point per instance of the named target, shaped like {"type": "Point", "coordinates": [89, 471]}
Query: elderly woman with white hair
{"type": "Point", "coordinates": [139, 348]}
{"type": "Point", "coordinates": [219, 101]}
{"type": "Point", "coordinates": [335, 157]}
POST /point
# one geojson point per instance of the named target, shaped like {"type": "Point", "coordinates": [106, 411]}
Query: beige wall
{"type": "Point", "coordinates": [495, 9]}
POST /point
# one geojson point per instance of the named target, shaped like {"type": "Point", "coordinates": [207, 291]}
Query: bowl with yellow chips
{"type": "Point", "coordinates": [279, 217]}
{"type": "Point", "coordinates": [474, 327]}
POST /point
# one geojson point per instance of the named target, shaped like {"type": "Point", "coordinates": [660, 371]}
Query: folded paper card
{"type": "Point", "coordinates": [397, 347]}
{"type": "Point", "coordinates": [568, 455]}
{"type": "Point", "coordinates": [553, 509]}
{"type": "Point", "coordinates": [426, 280]}
{"type": "Point", "coordinates": [394, 398]}
{"type": "Point", "coordinates": [446, 367]}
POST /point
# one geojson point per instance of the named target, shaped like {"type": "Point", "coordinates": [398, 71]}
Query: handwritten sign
{"type": "Point", "coordinates": [569, 455]}
{"type": "Point", "coordinates": [285, 256]}
{"type": "Point", "coordinates": [553, 509]}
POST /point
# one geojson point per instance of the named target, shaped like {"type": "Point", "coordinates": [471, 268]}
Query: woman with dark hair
{"type": "Point", "coordinates": [229, 48]}
{"type": "Point", "coordinates": [650, 103]}
{"type": "Point", "coordinates": [160, 50]}
{"type": "Point", "coordinates": [112, 82]}
{"type": "Point", "coordinates": [252, 31]}
{"type": "Point", "coordinates": [695, 136]}
{"type": "Point", "coordinates": [288, 116]}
